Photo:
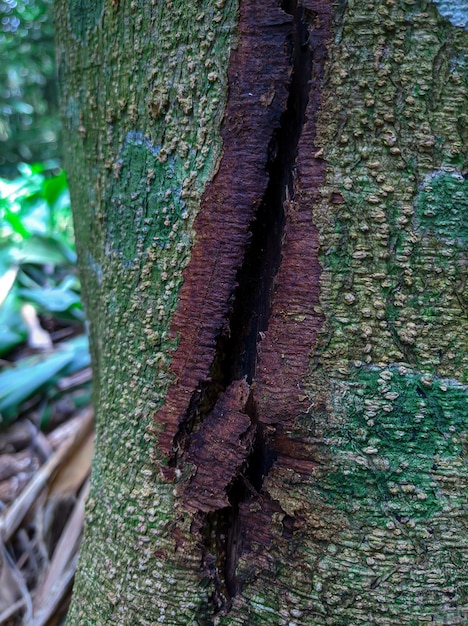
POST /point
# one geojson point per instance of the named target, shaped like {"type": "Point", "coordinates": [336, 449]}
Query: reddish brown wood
{"type": "Point", "coordinates": [220, 446]}
{"type": "Point", "coordinates": [258, 80]}
{"type": "Point", "coordinates": [219, 449]}
{"type": "Point", "coordinates": [283, 354]}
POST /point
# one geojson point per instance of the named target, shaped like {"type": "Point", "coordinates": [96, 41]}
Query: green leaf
{"type": "Point", "coordinates": [81, 357]}
{"type": "Point", "coordinates": [10, 338]}
{"type": "Point", "coordinates": [13, 330]}
{"type": "Point", "coordinates": [25, 379]}
{"type": "Point", "coordinates": [54, 187]}
{"type": "Point", "coordinates": [52, 299]}
{"type": "Point", "coordinates": [42, 251]}
{"type": "Point", "coordinates": [33, 374]}
{"type": "Point", "coordinates": [16, 223]}
{"type": "Point", "coordinates": [7, 280]}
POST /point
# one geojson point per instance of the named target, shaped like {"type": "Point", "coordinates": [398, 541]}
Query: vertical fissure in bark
{"type": "Point", "coordinates": [250, 318]}
{"type": "Point", "coordinates": [216, 437]}
{"type": "Point", "coordinates": [253, 296]}
{"type": "Point", "coordinates": [251, 309]}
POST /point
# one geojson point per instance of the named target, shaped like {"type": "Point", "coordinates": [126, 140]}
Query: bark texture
{"type": "Point", "coordinates": [271, 208]}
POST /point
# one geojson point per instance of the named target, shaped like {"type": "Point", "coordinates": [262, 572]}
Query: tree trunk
{"type": "Point", "coordinates": [270, 212]}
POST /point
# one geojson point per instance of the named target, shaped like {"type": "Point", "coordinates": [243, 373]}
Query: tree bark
{"type": "Point", "coordinates": [270, 209]}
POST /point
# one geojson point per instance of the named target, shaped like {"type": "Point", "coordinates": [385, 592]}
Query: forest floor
{"type": "Point", "coordinates": [46, 423]}
{"type": "Point", "coordinates": [44, 479]}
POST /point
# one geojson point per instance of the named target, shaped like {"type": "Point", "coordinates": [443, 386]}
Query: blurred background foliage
{"type": "Point", "coordinates": [29, 125]}
{"type": "Point", "coordinates": [45, 373]}
{"type": "Point", "coordinates": [42, 335]}
{"type": "Point", "coordinates": [42, 338]}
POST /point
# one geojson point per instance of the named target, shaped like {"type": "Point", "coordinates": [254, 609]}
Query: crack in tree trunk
{"type": "Point", "coordinates": [253, 300]}
{"type": "Point", "coordinates": [236, 354]}
{"type": "Point", "coordinates": [265, 303]}
{"type": "Point", "coordinates": [258, 89]}
{"type": "Point", "coordinates": [220, 447]}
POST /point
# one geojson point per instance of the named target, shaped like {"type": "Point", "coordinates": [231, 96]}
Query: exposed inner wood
{"type": "Point", "coordinates": [258, 90]}
{"type": "Point", "coordinates": [247, 317]}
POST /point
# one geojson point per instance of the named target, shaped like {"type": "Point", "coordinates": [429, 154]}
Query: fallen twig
{"type": "Point", "coordinates": [11, 518]}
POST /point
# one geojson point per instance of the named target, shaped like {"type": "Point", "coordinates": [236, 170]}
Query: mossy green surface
{"type": "Point", "coordinates": [441, 207]}
{"type": "Point", "coordinates": [143, 95]}
{"type": "Point", "coordinates": [380, 523]}
{"type": "Point", "coordinates": [84, 16]}
{"type": "Point", "coordinates": [145, 198]}
{"type": "Point", "coordinates": [400, 431]}
{"type": "Point", "coordinates": [393, 286]}
{"type": "Point", "coordinates": [377, 533]}
{"type": "Point", "coordinates": [391, 368]}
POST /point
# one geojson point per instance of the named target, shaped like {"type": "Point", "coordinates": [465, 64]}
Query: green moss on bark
{"type": "Point", "coordinates": [376, 534]}
{"type": "Point", "coordinates": [85, 15]}
{"type": "Point", "coordinates": [378, 524]}
{"type": "Point", "coordinates": [144, 90]}
{"type": "Point", "coordinates": [402, 437]}
{"type": "Point", "coordinates": [403, 107]}
{"type": "Point", "coordinates": [441, 207]}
